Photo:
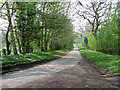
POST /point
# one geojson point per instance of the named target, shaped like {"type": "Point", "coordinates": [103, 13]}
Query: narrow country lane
{"type": "Point", "coordinates": [41, 71]}
{"type": "Point", "coordinates": [59, 44]}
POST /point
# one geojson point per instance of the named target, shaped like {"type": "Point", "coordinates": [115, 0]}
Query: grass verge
{"type": "Point", "coordinates": [12, 62]}
{"type": "Point", "coordinates": [102, 59]}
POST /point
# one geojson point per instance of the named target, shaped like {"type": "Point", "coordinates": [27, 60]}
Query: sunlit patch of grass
{"type": "Point", "coordinates": [102, 59]}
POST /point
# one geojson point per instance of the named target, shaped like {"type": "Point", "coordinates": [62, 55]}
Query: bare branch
{"type": "Point", "coordinates": [88, 13]}
{"type": "Point", "coordinates": [85, 18]}
{"type": "Point", "coordinates": [93, 13]}
{"type": "Point", "coordinates": [2, 5]}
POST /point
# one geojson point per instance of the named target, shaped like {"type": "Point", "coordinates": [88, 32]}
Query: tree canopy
{"type": "Point", "coordinates": [35, 26]}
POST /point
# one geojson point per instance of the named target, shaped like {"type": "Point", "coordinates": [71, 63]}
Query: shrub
{"type": "Point", "coordinates": [4, 52]}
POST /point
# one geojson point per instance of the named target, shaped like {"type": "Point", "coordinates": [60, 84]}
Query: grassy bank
{"type": "Point", "coordinates": [102, 59]}
{"type": "Point", "coordinates": [12, 61]}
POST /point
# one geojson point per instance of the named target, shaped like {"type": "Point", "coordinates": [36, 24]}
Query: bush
{"type": "Point", "coordinates": [4, 52]}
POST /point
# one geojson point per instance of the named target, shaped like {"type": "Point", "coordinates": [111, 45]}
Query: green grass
{"type": "Point", "coordinates": [14, 60]}
{"type": "Point", "coordinates": [102, 59]}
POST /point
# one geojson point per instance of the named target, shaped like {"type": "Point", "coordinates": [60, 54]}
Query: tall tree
{"type": "Point", "coordinates": [93, 13]}
{"type": "Point", "coordinates": [10, 28]}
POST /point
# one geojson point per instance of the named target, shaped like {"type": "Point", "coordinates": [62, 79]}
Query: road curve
{"type": "Point", "coordinates": [40, 71]}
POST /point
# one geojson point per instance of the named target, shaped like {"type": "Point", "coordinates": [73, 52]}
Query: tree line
{"type": "Point", "coordinates": [37, 26]}
{"type": "Point", "coordinates": [102, 27]}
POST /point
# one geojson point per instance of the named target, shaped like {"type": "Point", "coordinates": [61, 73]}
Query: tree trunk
{"type": "Point", "coordinates": [18, 42]}
{"type": "Point", "coordinates": [7, 42]}
{"type": "Point", "coordinates": [14, 43]}
{"type": "Point", "coordinates": [42, 40]}
{"type": "Point", "coordinates": [30, 27]}
{"type": "Point", "coordinates": [118, 28]}
{"type": "Point", "coordinates": [19, 46]}
{"type": "Point", "coordinates": [45, 39]}
{"type": "Point", "coordinates": [21, 22]}
{"type": "Point", "coordinates": [23, 41]}
{"type": "Point", "coordinates": [11, 29]}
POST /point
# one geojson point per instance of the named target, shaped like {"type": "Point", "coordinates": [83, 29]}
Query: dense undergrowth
{"type": "Point", "coordinates": [102, 59]}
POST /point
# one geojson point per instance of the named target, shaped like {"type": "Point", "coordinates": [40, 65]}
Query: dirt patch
{"type": "Point", "coordinates": [102, 72]}
{"type": "Point", "coordinates": [84, 75]}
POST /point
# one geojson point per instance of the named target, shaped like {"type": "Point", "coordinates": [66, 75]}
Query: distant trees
{"type": "Point", "coordinates": [94, 13]}
{"type": "Point", "coordinates": [103, 22]}
{"type": "Point", "coordinates": [37, 26]}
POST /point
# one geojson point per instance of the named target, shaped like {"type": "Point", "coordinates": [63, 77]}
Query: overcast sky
{"type": "Point", "coordinates": [77, 21]}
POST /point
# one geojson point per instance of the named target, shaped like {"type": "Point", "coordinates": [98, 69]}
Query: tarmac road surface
{"type": "Point", "coordinates": [41, 71]}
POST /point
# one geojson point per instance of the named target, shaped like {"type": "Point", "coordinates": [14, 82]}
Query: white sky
{"type": "Point", "coordinates": [78, 21]}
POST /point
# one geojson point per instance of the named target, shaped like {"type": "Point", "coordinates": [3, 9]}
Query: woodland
{"type": "Point", "coordinates": [37, 30]}
{"type": "Point", "coordinates": [36, 26]}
